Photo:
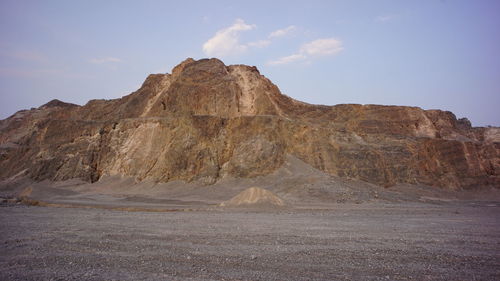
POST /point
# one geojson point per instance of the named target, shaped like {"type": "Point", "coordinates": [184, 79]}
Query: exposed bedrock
{"type": "Point", "coordinates": [206, 121]}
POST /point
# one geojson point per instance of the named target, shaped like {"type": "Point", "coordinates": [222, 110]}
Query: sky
{"type": "Point", "coordinates": [428, 53]}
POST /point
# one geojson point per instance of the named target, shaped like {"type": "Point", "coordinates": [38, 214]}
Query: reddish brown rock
{"type": "Point", "coordinates": [207, 121]}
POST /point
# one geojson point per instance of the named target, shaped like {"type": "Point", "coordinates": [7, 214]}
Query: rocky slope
{"type": "Point", "coordinates": [207, 121]}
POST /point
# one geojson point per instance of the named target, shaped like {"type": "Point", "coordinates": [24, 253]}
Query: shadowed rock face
{"type": "Point", "coordinates": [206, 121]}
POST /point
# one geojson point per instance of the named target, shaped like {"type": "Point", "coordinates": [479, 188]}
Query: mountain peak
{"type": "Point", "coordinates": [57, 103]}
{"type": "Point", "coordinates": [209, 87]}
{"type": "Point", "coordinates": [180, 67]}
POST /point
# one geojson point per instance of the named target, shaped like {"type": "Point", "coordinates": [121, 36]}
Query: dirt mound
{"type": "Point", "coordinates": [254, 196]}
{"type": "Point", "coordinates": [26, 192]}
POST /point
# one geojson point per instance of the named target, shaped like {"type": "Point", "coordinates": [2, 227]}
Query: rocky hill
{"type": "Point", "coordinates": [207, 121]}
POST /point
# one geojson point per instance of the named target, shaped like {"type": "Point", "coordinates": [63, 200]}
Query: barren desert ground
{"type": "Point", "coordinates": [369, 241]}
{"type": "Point", "coordinates": [249, 140]}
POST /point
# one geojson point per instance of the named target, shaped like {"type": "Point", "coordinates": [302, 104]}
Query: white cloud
{"type": "Point", "coordinates": [288, 59]}
{"type": "Point", "coordinates": [282, 32]}
{"type": "Point", "coordinates": [322, 47]}
{"type": "Point", "coordinates": [226, 41]}
{"type": "Point", "coordinates": [40, 72]}
{"type": "Point", "coordinates": [32, 56]}
{"type": "Point", "coordinates": [385, 18]}
{"type": "Point", "coordinates": [260, 43]}
{"type": "Point", "coordinates": [104, 60]}
{"type": "Point", "coordinates": [316, 48]}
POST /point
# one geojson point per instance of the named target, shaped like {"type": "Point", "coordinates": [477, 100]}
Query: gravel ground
{"type": "Point", "coordinates": [411, 241]}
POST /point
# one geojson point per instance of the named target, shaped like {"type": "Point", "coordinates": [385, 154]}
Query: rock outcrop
{"type": "Point", "coordinates": [207, 121]}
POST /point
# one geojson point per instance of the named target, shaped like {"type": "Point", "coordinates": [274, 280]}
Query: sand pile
{"type": "Point", "coordinates": [26, 192]}
{"type": "Point", "coordinates": [254, 196]}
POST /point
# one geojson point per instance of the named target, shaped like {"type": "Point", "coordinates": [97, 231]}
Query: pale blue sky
{"type": "Point", "coordinates": [431, 54]}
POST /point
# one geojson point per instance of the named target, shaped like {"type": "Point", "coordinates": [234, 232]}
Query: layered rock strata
{"type": "Point", "coordinates": [207, 121]}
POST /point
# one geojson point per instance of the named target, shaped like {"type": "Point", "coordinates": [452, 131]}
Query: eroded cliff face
{"type": "Point", "coordinates": [207, 121]}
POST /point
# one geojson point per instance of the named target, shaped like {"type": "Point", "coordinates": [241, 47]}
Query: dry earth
{"type": "Point", "coordinates": [254, 197]}
{"type": "Point", "coordinates": [330, 229]}
{"type": "Point", "coordinates": [370, 241]}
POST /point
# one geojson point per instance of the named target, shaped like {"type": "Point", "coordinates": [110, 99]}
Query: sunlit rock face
{"type": "Point", "coordinates": [207, 121]}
